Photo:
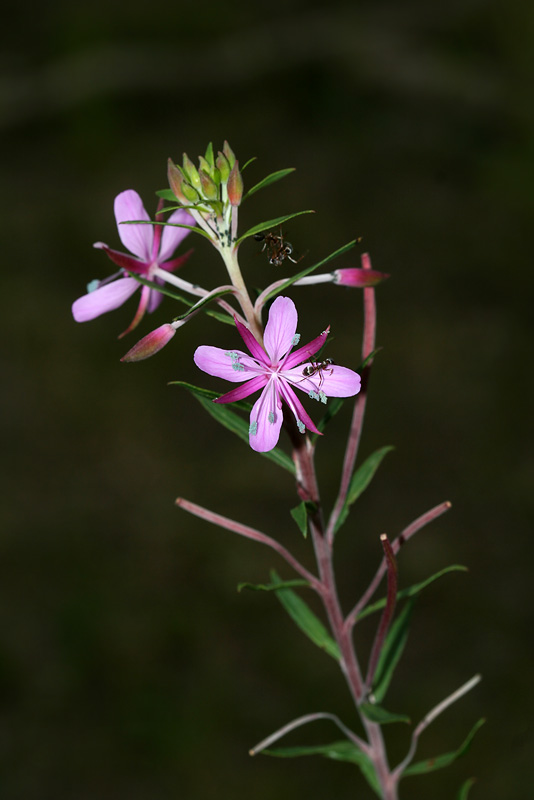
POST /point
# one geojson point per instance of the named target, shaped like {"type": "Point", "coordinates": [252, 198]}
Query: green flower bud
{"type": "Point", "coordinates": [191, 172]}
{"type": "Point", "coordinates": [229, 153]}
{"type": "Point", "coordinates": [176, 181]}
{"type": "Point", "coordinates": [209, 187]}
{"type": "Point", "coordinates": [223, 166]}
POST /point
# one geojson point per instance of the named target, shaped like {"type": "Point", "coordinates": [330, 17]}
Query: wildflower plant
{"type": "Point", "coordinates": [205, 200]}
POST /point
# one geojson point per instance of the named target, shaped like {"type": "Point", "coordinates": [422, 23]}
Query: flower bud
{"type": "Point", "coordinates": [151, 344]}
{"type": "Point", "coordinates": [229, 153]}
{"type": "Point", "coordinates": [235, 185]}
{"type": "Point", "coordinates": [191, 172]}
{"type": "Point", "coordinates": [223, 166]}
{"type": "Point", "coordinates": [358, 277]}
{"type": "Point", "coordinates": [176, 180]}
{"type": "Point", "coordinates": [209, 188]}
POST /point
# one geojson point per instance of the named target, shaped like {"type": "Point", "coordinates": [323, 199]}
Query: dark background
{"type": "Point", "coordinates": [129, 665]}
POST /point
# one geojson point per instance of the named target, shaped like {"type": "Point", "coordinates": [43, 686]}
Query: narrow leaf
{"type": "Point", "coordinates": [337, 751]}
{"type": "Point", "coordinates": [361, 480]}
{"type": "Point", "coordinates": [300, 515]}
{"type": "Point", "coordinates": [412, 590]}
{"type": "Point", "coordinates": [225, 416]}
{"type": "Point", "coordinates": [204, 301]}
{"type": "Point", "coordinates": [305, 619]}
{"type": "Point", "coordinates": [380, 715]}
{"type": "Point", "coordinates": [167, 194]}
{"type": "Point", "coordinates": [272, 178]}
{"type": "Point", "coordinates": [335, 404]}
{"type": "Point", "coordinates": [271, 587]}
{"type": "Point", "coordinates": [438, 762]}
{"type": "Point", "coordinates": [464, 789]}
{"type": "Point", "coordinates": [392, 651]}
{"type": "Point", "coordinates": [271, 223]}
{"type": "Point", "coordinates": [245, 165]}
{"type": "Point", "coordinates": [193, 228]}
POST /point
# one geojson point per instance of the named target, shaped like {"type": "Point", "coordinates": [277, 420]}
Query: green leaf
{"type": "Point", "coordinates": [245, 165]}
{"type": "Point", "coordinates": [290, 281]}
{"type": "Point", "coordinates": [334, 405]}
{"type": "Point", "coordinates": [412, 590]}
{"type": "Point", "coordinates": [272, 178]}
{"type": "Point", "coordinates": [392, 651]}
{"type": "Point", "coordinates": [464, 789]}
{"type": "Point", "coordinates": [360, 481]}
{"type": "Point", "coordinates": [209, 155]}
{"type": "Point", "coordinates": [167, 194]}
{"type": "Point", "coordinates": [272, 587]}
{"type": "Point", "coordinates": [300, 515]}
{"type": "Point", "coordinates": [380, 715]}
{"type": "Point", "coordinates": [337, 751]}
{"type": "Point", "coordinates": [271, 223]}
{"type": "Point", "coordinates": [305, 619]}
{"type": "Point", "coordinates": [438, 762]}
{"type": "Point", "coordinates": [204, 301]}
{"type": "Point", "coordinates": [225, 416]}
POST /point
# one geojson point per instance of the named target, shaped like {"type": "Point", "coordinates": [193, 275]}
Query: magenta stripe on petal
{"type": "Point", "coordinates": [246, 389]}
{"type": "Point", "coordinates": [104, 299]}
{"type": "Point", "coordinates": [306, 352]}
{"type": "Point", "coordinates": [251, 342]}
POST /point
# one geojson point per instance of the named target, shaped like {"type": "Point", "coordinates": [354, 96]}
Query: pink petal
{"type": "Point", "coordinates": [298, 410]}
{"type": "Point", "coordinates": [245, 390]}
{"type": "Point", "coordinates": [171, 237]}
{"type": "Point", "coordinates": [232, 365]}
{"type": "Point", "coordinates": [137, 238]}
{"type": "Point", "coordinates": [140, 313]}
{"type": "Point", "coordinates": [104, 299]}
{"type": "Point", "coordinates": [253, 345]}
{"type": "Point", "coordinates": [266, 420]}
{"type": "Point", "coordinates": [307, 351]}
{"type": "Point", "coordinates": [122, 259]}
{"type": "Point", "coordinates": [281, 328]}
{"type": "Point", "coordinates": [340, 382]}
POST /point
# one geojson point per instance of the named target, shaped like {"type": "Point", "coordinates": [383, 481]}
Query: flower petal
{"type": "Point", "coordinates": [171, 237]}
{"type": "Point", "coordinates": [297, 409]}
{"type": "Point", "coordinates": [137, 238]}
{"type": "Point", "coordinates": [251, 342]}
{"type": "Point", "coordinates": [247, 388]}
{"type": "Point", "coordinates": [104, 299]}
{"type": "Point", "coordinates": [266, 420]}
{"type": "Point", "coordinates": [281, 328]}
{"type": "Point", "coordinates": [340, 382]}
{"type": "Point", "coordinates": [123, 259]}
{"type": "Point", "coordinates": [140, 313]}
{"type": "Point", "coordinates": [232, 365]}
{"type": "Point", "coordinates": [307, 351]}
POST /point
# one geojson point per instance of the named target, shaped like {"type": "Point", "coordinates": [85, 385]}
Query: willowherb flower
{"type": "Point", "coordinates": [152, 247]}
{"type": "Point", "coordinates": [276, 369]}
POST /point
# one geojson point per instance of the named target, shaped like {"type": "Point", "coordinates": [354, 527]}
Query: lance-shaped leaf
{"type": "Point", "coordinates": [272, 178]}
{"type": "Point", "coordinates": [234, 423]}
{"type": "Point", "coordinates": [438, 762]}
{"type": "Point", "coordinates": [337, 751]}
{"type": "Point", "coordinates": [411, 591]}
{"type": "Point", "coordinates": [271, 223]}
{"type": "Point", "coordinates": [305, 619]}
{"type": "Point", "coordinates": [392, 651]}
{"type": "Point", "coordinates": [379, 715]}
{"type": "Point", "coordinates": [272, 587]}
{"type": "Point", "coordinates": [360, 481]}
{"type": "Point", "coordinates": [300, 515]}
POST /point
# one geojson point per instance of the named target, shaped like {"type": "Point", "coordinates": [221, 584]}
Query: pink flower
{"type": "Point", "coordinates": [276, 370]}
{"type": "Point", "coordinates": [152, 247]}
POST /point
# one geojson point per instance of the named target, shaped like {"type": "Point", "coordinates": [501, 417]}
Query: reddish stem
{"type": "Point", "coordinates": [387, 614]}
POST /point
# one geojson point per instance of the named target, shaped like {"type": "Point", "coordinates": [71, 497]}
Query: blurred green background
{"type": "Point", "coordinates": [129, 665]}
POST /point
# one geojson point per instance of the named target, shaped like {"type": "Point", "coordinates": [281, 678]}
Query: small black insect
{"type": "Point", "coordinates": [319, 368]}
{"type": "Point", "coordinates": [277, 248]}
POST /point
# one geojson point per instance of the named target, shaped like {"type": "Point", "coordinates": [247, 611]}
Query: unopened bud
{"type": "Point", "coordinates": [209, 188]}
{"type": "Point", "coordinates": [191, 172]}
{"type": "Point", "coordinates": [235, 185]}
{"type": "Point", "coordinates": [358, 277]}
{"type": "Point", "coordinates": [229, 153]}
{"type": "Point", "coordinates": [223, 166]}
{"type": "Point", "coordinates": [151, 344]}
{"type": "Point", "coordinates": [176, 180]}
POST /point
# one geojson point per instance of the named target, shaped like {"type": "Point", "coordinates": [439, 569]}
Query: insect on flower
{"type": "Point", "coordinates": [320, 368]}
{"type": "Point", "coordinates": [277, 248]}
